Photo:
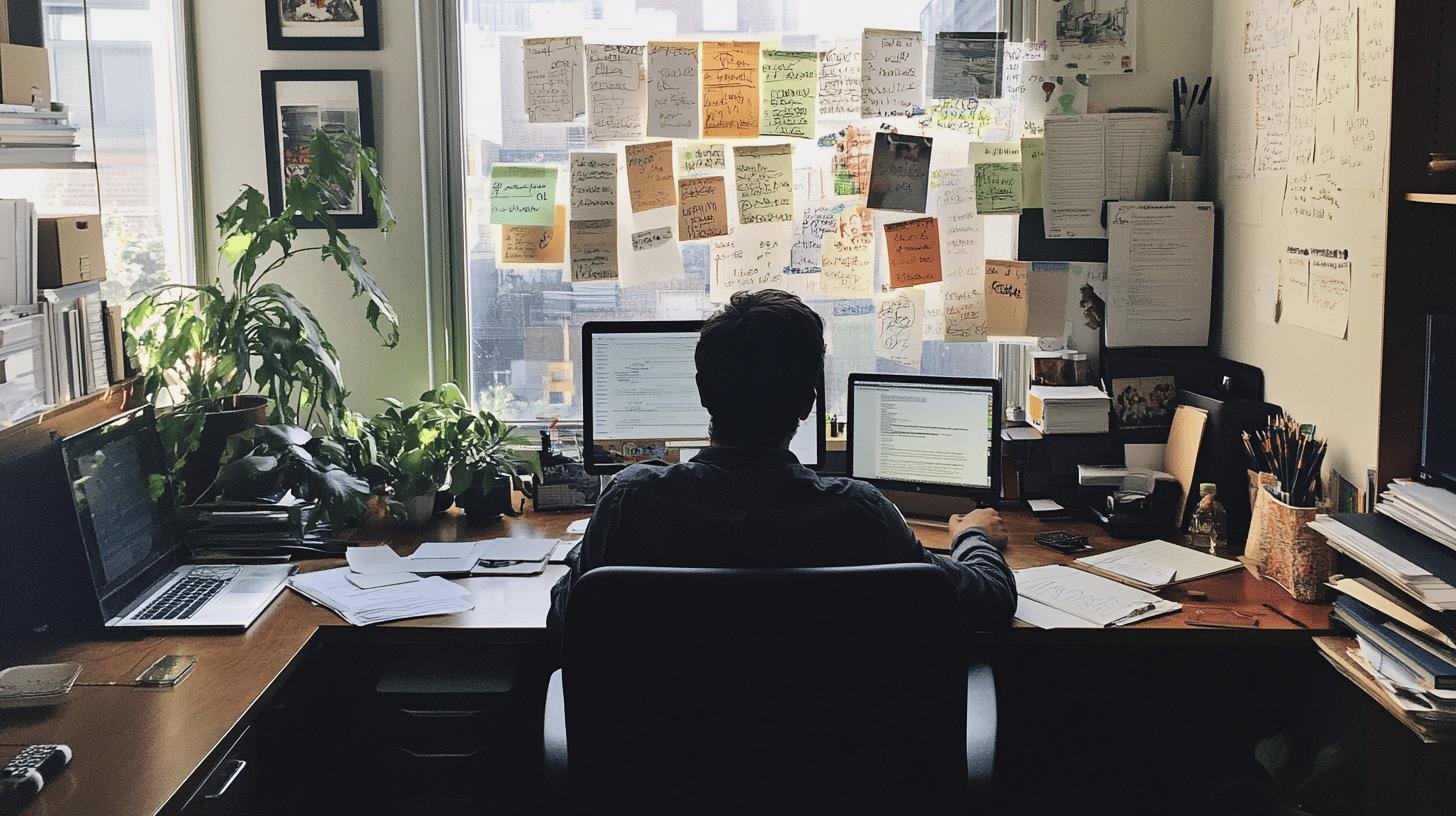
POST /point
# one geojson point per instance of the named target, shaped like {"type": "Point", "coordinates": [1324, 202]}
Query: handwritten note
{"type": "Point", "coordinates": [962, 236]}
{"type": "Point", "coordinates": [672, 90]}
{"type": "Point", "coordinates": [893, 74]}
{"type": "Point", "coordinates": [616, 96]}
{"type": "Point", "coordinates": [1033, 172]}
{"type": "Point", "coordinates": [764, 177]}
{"type": "Point", "coordinates": [968, 65]}
{"type": "Point", "coordinates": [703, 158]}
{"type": "Point", "coordinates": [1314, 290]}
{"type": "Point", "coordinates": [998, 177]}
{"type": "Point", "coordinates": [839, 80]}
{"type": "Point", "coordinates": [1338, 68]}
{"type": "Point", "coordinates": [900, 172]}
{"type": "Point", "coordinates": [816, 221]}
{"type": "Point", "coordinates": [913, 248]}
{"type": "Point", "coordinates": [655, 257]}
{"type": "Point", "coordinates": [790, 93]}
{"type": "Point", "coordinates": [900, 326]}
{"type": "Point", "coordinates": [702, 208]}
{"type": "Point", "coordinates": [649, 176]}
{"type": "Point", "coordinates": [730, 89]}
{"type": "Point", "coordinates": [593, 185]}
{"type": "Point", "coordinates": [963, 309]}
{"type": "Point", "coordinates": [752, 258]}
{"type": "Point", "coordinates": [847, 263]}
{"type": "Point", "coordinates": [522, 194]}
{"type": "Point", "coordinates": [552, 68]}
{"type": "Point", "coordinates": [1271, 116]}
{"type": "Point", "coordinates": [535, 245]}
{"type": "Point", "coordinates": [1007, 305]}
{"type": "Point", "coordinates": [594, 250]}
{"type": "Point", "coordinates": [852, 160]}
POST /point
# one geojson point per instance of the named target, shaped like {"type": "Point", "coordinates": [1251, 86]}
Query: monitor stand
{"type": "Point", "coordinates": [930, 507]}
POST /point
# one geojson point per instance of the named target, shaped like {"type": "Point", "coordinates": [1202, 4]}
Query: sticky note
{"type": "Point", "coordinates": [649, 176]}
{"type": "Point", "coordinates": [522, 194]}
{"type": "Point", "coordinates": [554, 86]}
{"type": "Point", "coordinates": [616, 96]}
{"type": "Point", "coordinates": [963, 301]}
{"type": "Point", "coordinates": [594, 250]}
{"type": "Point", "coordinates": [913, 248]}
{"type": "Point", "coordinates": [593, 185]}
{"type": "Point", "coordinates": [893, 73]}
{"type": "Point", "coordinates": [701, 158]}
{"type": "Point", "coordinates": [899, 173]}
{"type": "Point", "coordinates": [702, 208]}
{"type": "Point", "coordinates": [672, 89]}
{"type": "Point", "coordinates": [535, 245]}
{"type": "Point", "coordinates": [1007, 307]}
{"type": "Point", "coordinates": [764, 177]}
{"type": "Point", "coordinates": [998, 177]}
{"type": "Point", "coordinates": [730, 89]}
{"type": "Point", "coordinates": [790, 91]}
{"type": "Point", "coordinates": [847, 264]}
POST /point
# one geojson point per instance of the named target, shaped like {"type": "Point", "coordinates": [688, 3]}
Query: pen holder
{"type": "Point", "coordinates": [1286, 551]}
{"type": "Point", "coordinates": [1185, 177]}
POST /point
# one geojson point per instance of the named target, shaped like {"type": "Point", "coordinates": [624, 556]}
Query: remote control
{"type": "Point", "coordinates": [23, 777]}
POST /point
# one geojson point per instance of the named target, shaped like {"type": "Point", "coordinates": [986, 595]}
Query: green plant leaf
{"type": "Point", "coordinates": [351, 261]}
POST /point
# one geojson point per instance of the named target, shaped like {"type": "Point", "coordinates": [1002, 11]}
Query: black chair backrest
{"type": "Point", "coordinates": [766, 691]}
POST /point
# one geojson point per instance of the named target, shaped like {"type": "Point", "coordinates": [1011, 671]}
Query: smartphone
{"type": "Point", "coordinates": [168, 671]}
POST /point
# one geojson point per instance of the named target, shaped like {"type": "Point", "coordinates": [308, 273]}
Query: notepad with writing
{"type": "Point", "coordinates": [1056, 597]}
{"type": "Point", "coordinates": [1155, 564]}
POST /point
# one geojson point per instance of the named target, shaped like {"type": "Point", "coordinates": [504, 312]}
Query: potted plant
{"type": "Point", "coordinates": [264, 461]}
{"type": "Point", "coordinates": [252, 347]}
{"type": "Point", "coordinates": [488, 466]}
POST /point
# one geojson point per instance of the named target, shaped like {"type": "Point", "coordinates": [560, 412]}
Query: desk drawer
{"type": "Point", "coordinates": [231, 788]}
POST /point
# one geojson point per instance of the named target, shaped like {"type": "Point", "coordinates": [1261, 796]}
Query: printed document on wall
{"type": "Point", "coordinates": [1159, 273]}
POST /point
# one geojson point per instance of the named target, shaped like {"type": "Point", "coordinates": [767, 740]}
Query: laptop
{"type": "Point", "coordinates": [125, 505]}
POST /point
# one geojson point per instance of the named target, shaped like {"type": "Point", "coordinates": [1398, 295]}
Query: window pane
{"type": "Point", "coordinates": [525, 321]}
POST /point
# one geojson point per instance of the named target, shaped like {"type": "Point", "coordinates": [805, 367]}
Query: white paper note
{"type": "Point", "coordinates": [554, 84]}
{"type": "Point", "coordinates": [593, 185]}
{"type": "Point", "coordinates": [894, 73]}
{"type": "Point", "coordinates": [1159, 273]}
{"type": "Point", "coordinates": [900, 326]}
{"type": "Point", "coordinates": [616, 95]}
{"type": "Point", "coordinates": [672, 90]}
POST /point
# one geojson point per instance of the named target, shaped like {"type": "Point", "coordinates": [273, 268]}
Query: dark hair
{"type": "Point", "coordinates": [760, 363]}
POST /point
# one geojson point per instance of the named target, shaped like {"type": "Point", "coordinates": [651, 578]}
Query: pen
{"type": "Point", "coordinates": [1276, 610]}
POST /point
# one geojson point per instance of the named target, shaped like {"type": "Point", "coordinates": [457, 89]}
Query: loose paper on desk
{"type": "Point", "coordinates": [1033, 171]}
{"type": "Point", "coordinates": [361, 607]}
{"type": "Point", "coordinates": [1159, 273]}
{"type": "Point", "coordinates": [730, 89]}
{"type": "Point", "coordinates": [672, 89]}
{"type": "Point", "coordinates": [1092, 598]}
{"type": "Point", "coordinates": [789, 92]}
{"type": "Point", "coordinates": [998, 177]}
{"type": "Point", "coordinates": [649, 176]}
{"type": "Point", "coordinates": [1156, 564]}
{"type": "Point", "coordinates": [702, 208]}
{"type": "Point", "coordinates": [616, 95]}
{"type": "Point", "coordinates": [703, 158]}
{"type": "Point", "coordinates": [913, 249]}
{"type": "Point", "coordinates": [383, 579]}
{"type": "Point", "coordinates": [1101, 39]}
{"type": "Point", "coordinates": [1007, 307]}
{"type": "Point", "coordinates": [900, 326]}
{"type": "Point", "coordinates": [1098, 157]}
{"type": "Point", "coordinates": [899, 173]}
{"type": "Point", "coordinates": [535, 245]}
{"type": "Point", "coordinates": [764, 178]}
{"type": "Point", "coordinates": [522, 194]}
{"type": "Point", "coordinates": [375, 560]}
{"type": "Point", "coordinates": [894, 73]}
{"type": "Point", "coordinates": [967, 65]}
{"type": "Point", "coordinates": [840, 68]}
{"type": "Point", "coordinates": [554, 80]}
{"type": "Point", "coordinates": [594, 250]}
{"type": "Point", "coordinates": [593, 185]}
{"type": "Point", "coordinates": [847, 264]}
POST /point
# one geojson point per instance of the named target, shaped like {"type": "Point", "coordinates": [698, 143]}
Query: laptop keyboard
{"type": "Point", "coordinates": [182, 599]}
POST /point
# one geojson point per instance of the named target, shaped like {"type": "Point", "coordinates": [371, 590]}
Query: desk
{"type": "Point", "coordinates": [143, 751]}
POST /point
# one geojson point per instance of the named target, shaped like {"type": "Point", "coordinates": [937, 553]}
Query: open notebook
{"type": "Point", "coordinates": [1156, 564]}
{"type": "Point", "coordinates": [1060, 597]}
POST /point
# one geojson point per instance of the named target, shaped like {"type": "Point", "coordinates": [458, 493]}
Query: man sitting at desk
{"type": "Point", "coordinates": [746, 502]}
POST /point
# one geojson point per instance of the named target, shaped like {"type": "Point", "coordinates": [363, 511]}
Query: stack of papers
{"type": "Point", "coordinates": [1059, 597]}
{"type": "Point", "coordinates": [1063, 410]}
{"type": "Point", "coordinates": [362, 606]}
{"type": "Point", "coordinates": [1156, 564]}
{"type": "Point", "coordinates": [497, 556]}
{"type": "Point", "coordinates": [1430, 511]}
{"type": "Point", "coordinates": [1415, 564]}
{"type": "Point", "coordinates": [1104, 476]}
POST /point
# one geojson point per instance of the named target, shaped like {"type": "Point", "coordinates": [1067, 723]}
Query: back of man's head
{"type": "Point", "coordinates": [760, 363]}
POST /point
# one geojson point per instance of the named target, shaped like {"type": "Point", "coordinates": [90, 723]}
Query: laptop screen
{"type": "Point", "coordinates": [123, 499]}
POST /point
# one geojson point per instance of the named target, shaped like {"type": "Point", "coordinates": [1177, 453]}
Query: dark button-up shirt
{"type": "Point", "coordinates": [760, 508]}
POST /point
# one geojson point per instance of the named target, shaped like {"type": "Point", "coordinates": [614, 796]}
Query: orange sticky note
{"type": "Point", "coordinates": [1007, 306]}
{"type": "Point", "coordinates": [649, 176]}
{"type": "Point", "coordinates": [913, 248]}
{"type": "Point", "coordinates": [702, 208]}
{"type": "Point", "coordinates": [535, 245]}
{"type": "Point", "coordinates": [730, 89]}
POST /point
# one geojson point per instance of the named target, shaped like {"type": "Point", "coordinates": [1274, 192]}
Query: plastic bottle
{"type": "Point", "coordinates": [1208, 529]}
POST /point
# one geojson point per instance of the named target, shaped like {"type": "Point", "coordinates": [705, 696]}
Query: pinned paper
{"type": "Point", "coordinates": [847, 264]}
{"type": "Point", "coordinates": [1007, 307]}
{"type": "Point", "coordinates": [840, 70]}
{"type": "Point", "coordinates": [593, 186]}
{"type": "Point", "coordinates": [963, 306]}
{"type": "Point", "coordinates": [1044, 95]}
{"type": "Point", "coordinates": [594, 250]}
{"type": "Point", "coordinates": [764, 177]}
{"type": "Point", "coordinates": [816, 221]}
{"type": "Point", "coordinates": [672, 90]}
{"type": "Point", "coordinates": [913, 248]}
{"type": "Point", "coordinates": [968, 65]}
{"type": "Point", "coordinates": [893, 74]}
{"type": "Point", "coordinates": [900, 326]}
{"type": "Point", "coordinates": [649, 176]}
{"type": "Point", "coordinates": [535, 245]}
{"type": "Point", "coordinates": [751, 259]}
{"type": "Point", "coordinates": [655, 257]}
{"type": "Point", "coordinates": [616, 96]}
{"type": "Point", "coordinates": [1033, 171]}
{"type": "Point", "coordinates": [702, 208]}
{"type": "Point", "coordinates": [1100, 39]}
{"type": "Point", "coordinates": [703, 158]}
{"type": "Point", "coordinates": [790, 93]}
{"type": "Point", "coordinates": [900, 172]}
{"type": "Point", "coordinates": [998, 177]}
{"type": "Point", "coordinates": [730, 89]}
{"type": "Point", "coordinates": [522, 194]}
{"type": "Point", "coordinates": [962, 234]}
{"type": "Point", "coordinates": [852, 159]}
{"type": "Point", "coordinates": [1046, 303]}
{"type": "Point", "coordinates": [554, 86]}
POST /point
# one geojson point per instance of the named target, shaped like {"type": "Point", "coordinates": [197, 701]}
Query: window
{"type": "Point", "coordinates": [525, 321]}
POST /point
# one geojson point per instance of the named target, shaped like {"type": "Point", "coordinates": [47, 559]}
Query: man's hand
{"type": "Point", "coordinates": [984, 519]}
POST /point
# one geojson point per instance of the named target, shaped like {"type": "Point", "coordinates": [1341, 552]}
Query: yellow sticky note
{"type": "Point", "coordinates": [535, 245]}
{"type": "Point", "coordinates": [730, 89]}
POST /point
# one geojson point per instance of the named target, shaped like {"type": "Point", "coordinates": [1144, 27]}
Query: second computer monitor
{"type": "Point", "coordinates": [930, 443]}
{"type": "Point", "coordinates": [640, 393]}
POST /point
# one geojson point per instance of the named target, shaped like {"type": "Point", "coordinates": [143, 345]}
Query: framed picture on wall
{"type": "Point", "coordinates": [296, 104]}
{"type": "Point", "coordinates": [323, 25]}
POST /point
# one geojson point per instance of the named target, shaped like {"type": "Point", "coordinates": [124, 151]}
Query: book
{"type": "Point", "coordinates": [1413, 563]}
{"type": "Point", "coordinates": [1154, 565]}
{"type": "Point", "coordinates": [1433, 665]}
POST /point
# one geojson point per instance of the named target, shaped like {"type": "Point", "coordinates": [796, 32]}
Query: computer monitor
{"type": "Point", "coordinates": [1438, 427]}
{"type": "Point", "coordinates": [640, 393]}
{"type": "Point", "coordinates": [931, 444]}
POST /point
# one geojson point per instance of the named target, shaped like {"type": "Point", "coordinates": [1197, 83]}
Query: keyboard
{"type": "Point", "coordinates": [182, 599]}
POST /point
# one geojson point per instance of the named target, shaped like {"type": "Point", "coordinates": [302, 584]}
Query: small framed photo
{"type": "Point", "coordinates": [296, 104]}
{"type": "Point", "coordinates": [1144, 402]}
{"type": "Point", "coordinates": [323, 25]}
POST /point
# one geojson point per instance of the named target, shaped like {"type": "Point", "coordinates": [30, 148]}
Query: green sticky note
{"type": "Point", "coordinates": [1033, 170]}
{"type": "Point", "coordinates": [523, 195]}
{"type": "Point", "coordinates": [998, 178]}
{"type": "Point", "coordinates": [790, 93]}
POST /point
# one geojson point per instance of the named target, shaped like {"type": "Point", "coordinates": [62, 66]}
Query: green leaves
{"type": "Point", "coordinates": [265, 460]}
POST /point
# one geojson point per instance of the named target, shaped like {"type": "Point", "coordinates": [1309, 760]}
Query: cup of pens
{"type": "Point", "coordinates": [1190, 129]}
{"type": "Point", "coordinates": [1285, 463]}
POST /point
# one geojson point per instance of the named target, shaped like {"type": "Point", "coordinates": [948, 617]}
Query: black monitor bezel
{"type": "Point", "coordinates": [989, 493]}
{"type": "Point", "coordinates": [594, 327]}
{"type": "Point", "coordinates": [1431, 474]}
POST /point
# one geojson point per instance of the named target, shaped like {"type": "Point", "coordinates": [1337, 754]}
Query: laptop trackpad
{"type": "Point", "coordinates": [251, 585]}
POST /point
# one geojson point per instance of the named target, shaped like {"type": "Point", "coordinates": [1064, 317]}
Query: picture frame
{"type": "Point", "coordinates": [298, 102]}
{"type": "Point", "coordinates": [322, 25]}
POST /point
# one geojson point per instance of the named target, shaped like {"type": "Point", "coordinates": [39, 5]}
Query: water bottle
{"type": "Point", "coordinates": [1208, 529]}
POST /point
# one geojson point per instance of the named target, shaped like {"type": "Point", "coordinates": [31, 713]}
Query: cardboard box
{"type": "Point", "coordinates": [70, 250]}
{"type": "Point", "coordinates": [25, 76]}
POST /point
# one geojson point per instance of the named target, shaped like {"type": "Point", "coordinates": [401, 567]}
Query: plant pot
{"type": "Point", "coordinates": [234, 414]}
{"type": "Point", "coordinates": [443, 500]}
{"type": "Point", "coordinates": [481, 505]}
{"type": "Point", "coordinates": [419, 509]}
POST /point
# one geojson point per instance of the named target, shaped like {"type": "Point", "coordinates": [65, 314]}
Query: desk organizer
{"type": "Point", "coordinates": [1286, 551]}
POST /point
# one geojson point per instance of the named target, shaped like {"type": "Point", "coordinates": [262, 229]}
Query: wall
{"type": "Point", "coordinates": [1318, 378]}
{"type": "Point", "coordinates": [1173, 41]}
{"type": "Point", "coordinates": [231, 47]}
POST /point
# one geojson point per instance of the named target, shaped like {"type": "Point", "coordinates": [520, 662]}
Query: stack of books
{"type": "Point", "coordinates": [1415, 564]}
{"type": "Point", "coordinates": [1428, 510]}
{"type": "Point", "coordinates": [17, 252]}
{"type": "Point", "coordinates": [29, 136]}
{"type": "Point", "coordinates": [76, 322]}
{"type": "Point", "coordinates": [1068, 410]}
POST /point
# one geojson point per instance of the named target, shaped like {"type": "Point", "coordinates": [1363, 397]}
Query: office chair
{"type": "Point", "coordinates": [835, 690]}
